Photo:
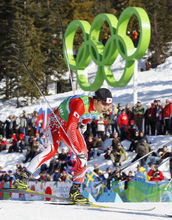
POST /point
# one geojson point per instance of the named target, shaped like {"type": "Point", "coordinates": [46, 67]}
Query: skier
{"type": "Point", "coordinates": [70, 113]}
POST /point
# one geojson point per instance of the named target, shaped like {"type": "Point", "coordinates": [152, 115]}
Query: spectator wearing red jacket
{"type": "Point", "coordinates": [123, 124]}
{"type": "Point", "coordinates": [3, 143]}
{"type": "Point", "coordinates": [155, 174]}
{"type": "Point", "coordinates": [14, 136]}
{"type": "Point", "coordinates": [166, 115]}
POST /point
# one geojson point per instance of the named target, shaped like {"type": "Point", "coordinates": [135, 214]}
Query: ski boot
{"type": "Point", "coordinates": [21, 181]}
{"type": "Point", "coordinates": [75, 195]}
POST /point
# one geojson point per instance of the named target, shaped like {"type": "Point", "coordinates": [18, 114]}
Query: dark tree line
{"type": "Point", "coordinates": [33, 26]}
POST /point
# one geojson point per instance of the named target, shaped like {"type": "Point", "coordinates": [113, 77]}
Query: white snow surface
{"type": "Point", "coordinates": [152, 84]}
{"type": "Point", "coordinates": [35, 210]}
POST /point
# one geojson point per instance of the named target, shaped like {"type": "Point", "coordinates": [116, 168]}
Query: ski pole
{"type": "Point", "coordinates": [137, 160]}
{"type": "Point", "coordinates": [32, 77]}
{"type": "Point", "coordinates": [168, 184]}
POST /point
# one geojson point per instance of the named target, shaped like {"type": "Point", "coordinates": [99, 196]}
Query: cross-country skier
{"type": "Point", "coordinates": [70, 113]}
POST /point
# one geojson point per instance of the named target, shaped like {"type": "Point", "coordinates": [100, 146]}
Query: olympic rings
{"type": "Point", "coordinates": [104, 56]}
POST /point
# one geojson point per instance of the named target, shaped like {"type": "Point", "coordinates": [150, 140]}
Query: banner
{"type": "Point", "coordinates": [135, 191]}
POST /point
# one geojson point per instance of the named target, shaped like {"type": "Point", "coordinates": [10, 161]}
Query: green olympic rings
{"type": "Point", "coordinates": [104, 56]}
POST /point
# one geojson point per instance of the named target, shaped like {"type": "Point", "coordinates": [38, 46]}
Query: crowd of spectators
{"type": "Point", "coordinates": [19, 134]}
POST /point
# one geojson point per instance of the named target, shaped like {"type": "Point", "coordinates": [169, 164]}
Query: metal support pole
{"type": "Point", "coordinates": [135, 76]}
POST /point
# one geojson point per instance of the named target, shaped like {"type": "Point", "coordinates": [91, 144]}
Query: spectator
{"type": "Point", "coordinates": [113, 118]}
{"type": "Point", "coordinates": [98, 148]}
{"type": "Point", "coordinates": [21, 144]}
{"type": "Point", "coordinates": [19, 166]}
{"type": "Point", "coordinates": [107, 116]}
{"type": "Point", "coordinates": [108, 153]}
{"type": "Point", "coordinates": [149, 116]}
{"type": "Point", "coordinates": [23, 122]}
{"type": "Point", "coordinates": [134, 37]}
{"type": "Point", "coordinates": [63, 176]}
{"type": "Point", "coordinates": [164, 153]}
{"type": "Point", "coordinates": [33, 151]}
{"type": "Point", "coordinates": [166, 116]}
{"type": "Point", "coordinates": [134, 142]}
{"type": "Point", "coordinates": [33, 120]}
{"type": "Point", "coordinates": [2, 124]}
{"type": "Point", "coordinates": [43, 176]}
{"type": "Point", "coordinates": [96, 168]}
{"type": "Point", "coordinates": [155, 174]}
{"type": "Point", "coordinates": [90, 144]}
{"type": "Point", "coordinates": [171, 167]}
{"type": "Point", "coordinates": [2, 174]}
{"type": "Point", "coordinates": [101, 127]}
{"type": "Point", "coordinates": [142, 149]}
{"type": "Point", "coordinates": [62, 159]}
{"type": "Point", "coordinates": [100, 176]}
{"type": "Point", "coordinates": [132, 130]}
{"type": "Point", "coordinates": [9, 127]}
{"type": "Point", "coordinates": [129, 178]}
{"type": "Point", "coordinates": [108, 173]}
{"type": "Point", "coordinates": [118, 155]}
{"type": "Point", "coordinates": [3, 143]}
{"type": "Point", "coordinates": [139, 114]}
{"type": "Point", "coordinates": [38, 138]}
{"type": "Point", "coordinates": [117, 175]}
{"type": "Point", "coordinates": [70, 161]}
{"type": "Point", "coordinates": [140, 175]}
{"type": "Point", "coordinates": [123, 124]}
{"type": "Point", "coordinates": [13, 145]}
{"type": "Point", "coordinates": [115, 140]}
{"type": "Point", "coordinates": [148, 65]}
{"type": "Point", "coordinates": [54, 164]}
{"type": "Point", "coordinates": [158, 117]}
{"type": "Point", "coordinates": [119, 110]}
{"type": "Point", "coordinates": [129, 112]}
{"type": "Point", "coordinates": [9, 176]}
{"type": "Point", "coordinates": [105, 39]}
{"type": "Point", "coordinates": [94, 127]}
{"type": "Point", "coordinates": [57, 174]}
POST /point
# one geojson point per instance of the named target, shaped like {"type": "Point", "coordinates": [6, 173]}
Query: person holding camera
{"type": "Point", "coordinates": [155, 174]}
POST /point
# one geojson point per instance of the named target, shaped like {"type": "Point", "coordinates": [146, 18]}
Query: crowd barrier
{"type": "Point", "coordinates": [135, 192]}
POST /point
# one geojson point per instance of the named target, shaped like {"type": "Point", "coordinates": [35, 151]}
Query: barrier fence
{"type": "Point", "coordinates": [134, 192]}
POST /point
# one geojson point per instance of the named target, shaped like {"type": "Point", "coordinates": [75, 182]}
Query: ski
{"type": "Point", "coordinates": [31, 192]}
{"type": "Point", "coordinates": [66, 201]}
{"type": "Point", "coordinates": [93, 205]}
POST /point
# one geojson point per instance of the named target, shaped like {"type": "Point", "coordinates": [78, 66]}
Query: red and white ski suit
{"type": "Point", "coordinates": [74, 110]}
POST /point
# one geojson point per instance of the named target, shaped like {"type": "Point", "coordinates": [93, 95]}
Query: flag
{"type": "Point", "coordinates": [39, 119]}
{"type": "Point", "coordinates": [90, 178]}
{"type": "Point", "coordinates": [47, 113]}
{"type": "Point", "coordinates": [121, 186]}
{"type": "Point", "coordinates": [43, 116]}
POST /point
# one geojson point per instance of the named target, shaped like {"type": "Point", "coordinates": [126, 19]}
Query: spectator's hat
{"type": "Point", "coordinates": [142, 169]}
{"type": "Point", "coordinates": [132, 122]}
{"type": "Point", "coordinates": [142, 140]}
{"type": "Point", "coordinates": [101, 116]}
{"type": "Point", "coordinates": [104, 95]}
{"type": "Point", "coordinates": [138, 101]}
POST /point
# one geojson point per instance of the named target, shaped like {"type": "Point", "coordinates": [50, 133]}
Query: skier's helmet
{"type": "Point", "coordinates": [104, 95]}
